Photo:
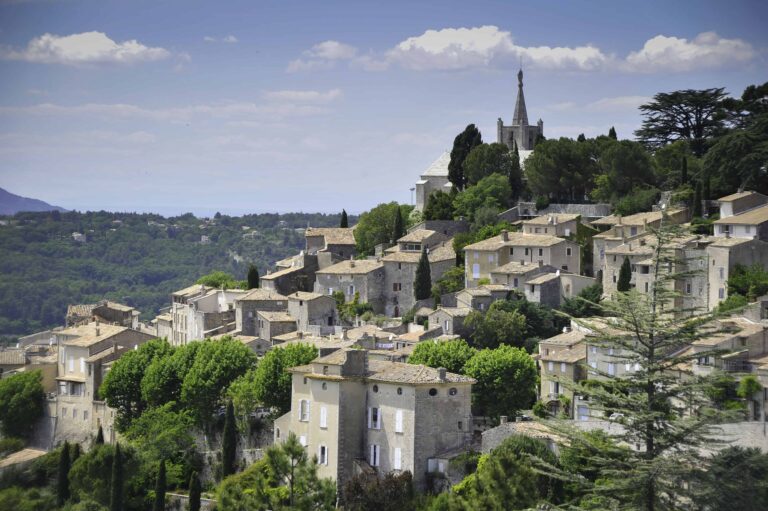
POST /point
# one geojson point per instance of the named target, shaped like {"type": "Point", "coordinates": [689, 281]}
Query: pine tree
{"type": "Point", "coordinates": [253, 277]}
{"type": "Point", "coordinates": [99, 440]}
{"type": "Point", "coordinates": [229, 443]}
{"type": "Point", "coordinates": [422, 285]}
{"type": "Point", "coordinates": [705, 191]}
{"type": "Point", "coordinates": [344, 220]}
{"type": "Point", "coordinates": [116, 483]}
{"type": "Point", "coordinates": [515, 173]}
{"type": "Point", "coordinates": [159, 503]}
{"type": "Point", "coordinates": [398, 230]}
{"type": "Point", "coordinates": [684, 171]}
{"type": "Point", "coordinates": [697, 210]}
{"type": "Point", "coordinates": [625, 275]}
{"type": "Point", "coordinates": [194, 492]}
{"type": "Point", "coordinates": [612, 133]}
{"type": "Point", "coordinates": [62, 486]}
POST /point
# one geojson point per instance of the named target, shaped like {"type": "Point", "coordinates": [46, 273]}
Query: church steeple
{"type": "Point", "coordinates": [521, 114]}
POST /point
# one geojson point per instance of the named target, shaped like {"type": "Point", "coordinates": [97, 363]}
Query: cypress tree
{"type": "Point", "coordinates": [99, 440]}
{"type": "Point", "coordinates": [515, 173]}
{"type": "Point", "coordinates": [116, 484]}
{"type": "Point", "coordinates": [253, 277]}
{"type": "Point", "coordinates": [684, 171]}
{"type": "Point", "coordinates": [75, 453]}
{"type": "Point", "coordinates": [229, 443]}
{"type": "Point", "coordinates": [399, 229]}
{"type": "Point", "coordinates": [625, 275]}
{"type": "Point", "coordinates": [422, 285]}
{"type": "Point", "coordinates": [612, 133]}
{"type": "Point", "coordinates": [62, 486]}
{"type": "Point", "coordinates": [159, 504]}
{"type": "Point", "coordinates": [581, 138]}
{"type": "Point", "coordinates": [705, 191]}
{"type": "Point", "coordinates": [344, 220]}
{"type": "Point", "coordinates": [194, 492]}
{"type": "Point", "coordinates": [697, 210]}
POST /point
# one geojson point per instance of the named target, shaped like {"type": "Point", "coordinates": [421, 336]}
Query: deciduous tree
{"type": "Point", "coordinates": [452, 355]}
{"type": "Point", "coordinates": [21, 403]}
{"type": "Point", "coordinates": [273, 381]}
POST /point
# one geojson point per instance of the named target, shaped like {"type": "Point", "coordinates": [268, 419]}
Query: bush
{"type": "Point", "coordinates": [539, 409]}
{"type": "Point", "coordinates": [542, 202]}
{"type": "Point", "coordinates": [10, 445]}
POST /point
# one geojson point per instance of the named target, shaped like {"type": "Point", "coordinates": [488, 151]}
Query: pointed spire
{"type": "Point", "coordinates": [521, 114]}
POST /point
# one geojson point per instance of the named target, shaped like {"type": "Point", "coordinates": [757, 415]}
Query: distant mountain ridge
{"type": "Point", "coordinates": [10, 204]}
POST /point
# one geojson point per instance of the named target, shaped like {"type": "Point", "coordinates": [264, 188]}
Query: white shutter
{"type": "Point", "coordinates": [550, 366]}
{"type": "Point", "coordinates": [399, 421]}
{"type": "Point", "coordinates": [370, 416]}
{"type": "Point", "coordinates": [71, 361]}
{"type": "Point", "coordinates": [323, 417]}
{"type": "Point", "coordinates": [82, 365]}
{"type": "Point", "coordinates": [303, 440]}
{"type": "Point", "coordinates": [397, 463]}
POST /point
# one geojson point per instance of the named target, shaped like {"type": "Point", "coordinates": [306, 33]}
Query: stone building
{"type": "Point", "coordinates": [273, 323]}
{"type": "Point", "coordinates": [450, 319]}
{"type": "Point", "coordinates": [743, 215]}
{"type": "Point", "coordinates": [355, 413]}
{"type": "Point", "coordinates": [199, 312]}
{"type": "Point", "coordinates": [561, 360]}
{"type": "Point", "coordinates": [330, 244]}
{"type": "Point", "coordinates": [313, 309]}
{"type": "Point", "coordinates": [299, 277]}
{"type": "Point", "coordinates": [104, 311]}
{"type": "Point", "coordinates": [365, 277]}
{"type": "Point", "coordinates": [520, 132]}
{"type": "Point", "coordinates": [434, 178]}
{"type": "Point", "coordinates": [252, 302]}
{"type": "Point", "coordinates": [480, 298]}
{"type": "Point", "coordinates": [555, 224]}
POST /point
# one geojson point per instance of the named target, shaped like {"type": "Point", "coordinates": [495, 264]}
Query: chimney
{"type": "Point", "coordinates": [618, 219]}
{"type": "Point", "coordinates": [98, 331]}
{"type": "Point", "coordinates": [300, 334]}
{"type": "Point", "coordinates": [504, 235]}
{"type": "Point", "coordinates": [502, 419]}
{"type": "Point", "coordinates": [441, 373]}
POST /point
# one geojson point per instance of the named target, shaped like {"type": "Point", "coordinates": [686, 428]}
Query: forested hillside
{"type": "Point", "coordinates": [136, 259]}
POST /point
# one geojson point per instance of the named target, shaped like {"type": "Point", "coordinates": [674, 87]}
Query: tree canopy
{"type": "Point", "coordinates": [462, 146]}
{"type": "Point", "coordinates": [271, 380]}
{"type": "Point", "coordinates": [377, 226]}
{"type": "Point", "coordinates": [21, 403]}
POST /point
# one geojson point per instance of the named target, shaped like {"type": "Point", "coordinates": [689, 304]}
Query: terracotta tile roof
{"type": "Point", "coordinates": [87, 335]}
{"type": "Point", "coordinates": [568, 355]}
{"type": "Point", "coordinates": [515, 268]}
{"type": "Point", "coordinates": [543, 278]}
{"type": "Point", "coordinates": [442, 252]}
{"type": "Point", "coordinates": [305, 296]}
{"type": "Point", "coordinates": [281, 273]}
{"type": "Point", "coordinates": [352, 267]}
{"type": "Point", "coordinates": [516, 239]}
{"type": "Point", "coordinates": [333, 235]}
{"type": "Point", "coordinates": [260, 294]}
{"type": "Point", "coordinates": [455, 311]}
{"type": "Point", "coordinates": [566, 338]}
{"type": "Point", "coordinates": [419, 235]}
{"type": "Point", "coordinates": [193, 290]}
{"type": "Point", "coordinates": [13, 357]}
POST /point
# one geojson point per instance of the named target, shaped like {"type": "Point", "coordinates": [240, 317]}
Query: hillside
{"type": "Point", "coordinates": [136, 259]}
{"type": "Point", "coordinates": [10, 204]}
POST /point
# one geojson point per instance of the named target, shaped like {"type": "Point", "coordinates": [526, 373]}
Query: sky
{"type": "Point", "coordinates": [248, 106]}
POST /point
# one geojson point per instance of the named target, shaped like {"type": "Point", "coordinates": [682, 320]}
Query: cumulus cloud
{"type": "Point", "coordinates": [706, 50]}
{"type": "Point", "coordinates": [322, 56]}
{"type": "Point", "coordinates": [83, 48]}
{"type": "Point", "coordinates": [304, 96]}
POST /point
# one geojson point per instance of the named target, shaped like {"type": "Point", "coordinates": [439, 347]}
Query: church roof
{"type": "Point", "coordinates": [521, 113]}
{"type": "Point", "coordinates": [439, 167]}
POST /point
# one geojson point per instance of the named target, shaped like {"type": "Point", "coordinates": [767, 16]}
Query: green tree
{"type": "Point", "coordinates": [62, 486]}
{"type": "Point", "coordinates": [562, 168]}
{"type": "Point", "coordinates": [515, 173]}
{"type": "Point", "coordinates": [194, 492]}
{"type": "Point", "coordinates": [735, 479]}
{"type": "Point", "coordinates": [398, 230]}
{"type": "Point", "coordinates": [738, 159]}
{"type": "Point", "coordinates": [439, 206]}
{"type": "Point", "coordinates": [684, 171]}
{"type": "Point", "coordinates": [506, 381]}
{"type": "Point", "coordinates": [290, 465]}
{"type": "Point", "coordinates": [748, 281]}
{"type": "Point", "coordinates": [159, 501]}
{"type": "Point", "coordinates": [219, 280]}
{"type": "Point", "coordinates": [625, 275]}
{"type": "Point", "coordinates": [586, 304]}
{"type": "Point", "coordinates": [163, 378]}
{"type": "Point", "coordinates": [492, 191]}
{"type": "Point", "coordinates": [540, 321]}
{"type": "Point", "coordinates": [450, 282]}
{"type": "Point", "coordinates": [422, 284]}
{"type": "Point", "coordinates": [697, 207]}
{"type": "Point", "coordinates": [495, 327]}
{"type": "Point", "coordinates": [99, 440]}
{"type": "Point", "coordinates": [369, 492]}
{"type": "Point", "coordinates": [116, 482]}
{"type": "Point", "coordinates": [253, 277]}
{"type": "Point", "coordinates": [462, 146]}
{"type": "Point", "coordinates": [486, 159]}
{"type": "Point", "coordinates": [344, 223]}
{"type": "Point", "coordinates": [748, 387]}
{"type": "Point", "coordinates": [21, 403]}
{"type": "Point", "coordinates": [242, 393]}
{"type": "Point", "coordinates": [625, 165]}
{"type": "Point", "coordinates": [376, 226]}
{"type": "Point", "coordinates": [452, 355]}
{"type": "Point", "coordinates": [612, 133]}
{"type": "Point", "coordinates": [693, 115]}
{"type": "Point", "coordinates": [229, 443]}
{"type": "Point", "coordinates": [272, 380]}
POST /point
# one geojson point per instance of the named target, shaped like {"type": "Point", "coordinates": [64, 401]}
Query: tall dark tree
{"type": "Point", "coordinates": [99, 440]}
{"type": "Point", "coordinates": [116, 483]}
{"type": "Point", "coordinates": [74, 453]}
{"type": "Point", "coordinates": [697, 210]}
{"type": "Point", "coordinates": [625, 275]}
{"type": "Point", "coordinates": [580, 138]}
{"type": "Point", "coordinates": [344, 220]}
{"type": "Point", "coordinates": [422, 285]}
{"type": "Point", "coordinates": [462, 145]}
{"type": "Point", "coordinates": [684, 171]}
{"type": "Point", "coordinates": [159, 502]}
{"type": "Point", "coordinates": [439, 206]}
{"type": "Point", "coordinates": [706, 193]}
{"type": "Point", "coordinates": [693, 115]}
{"type": "Point", "coordinates": [612, 133]}
{"type": "Point", "coordinates": [62, 484]}
{"type": "Point", "coordinates": [398, 230]}
{"type": "Point", "coordinates": [229, 443]}
{"type": "Point", "coordinates": [515, 173]}
{"type": "Point", "coordinates": [253, 277]}
{"type": "Point", "coordinates": [194, 492]}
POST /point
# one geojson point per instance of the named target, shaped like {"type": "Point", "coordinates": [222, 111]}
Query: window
{"type": "Point", "coordinates": [460, 425]}
{"type": "Point", "coordinates": [397, 459]}
{"type": "Point", "coordinates": [567, 232]}
{"type": "Point", "coordinates": [396, 287]}
{"type": "Point", "coordinates": [550, 366]}
{"type": "Point", "coordinates": [277, 432]}
{"type": "Point", "coordinates": [351, 290]}
{"type": "Point", "coordinates": [82, 365]}
{"type": "Point", "coordinates": [71, 362]}
{"type": "Point", "coordinates": [568, 251]}
{"type": "Point", "coordinates": [323, 417]}
{"type": "Point", "coordinates": [445, 327]}
{"type": "Point", "coordinates": [646, 287]}
{"type": "Point", "coordinates": [74, 413]}
{"type": "Point", "coordinates": [453, 391]}
{"type": "Point", "coordinates": [593, 364]}
{"type": "Point", "coordinates": [747, 229]}
{"type": "Point", "coordinates": [304, 410]}
{"type": "Point", "coordinates": [722, 273]}
{"type": "Point", "coordinates": [399, 391]}
{"type": "Point", "coordinates": [475, 271]}
{"type": "Point", "coordinates": [541, 251]}
{"type": "Point", "coordinates": [611, 369]}
{"type": "Point", "coordinates": [476, 255]}
{"type": "Point", "coordinates": [63, 412]}
{"type": "Point", "coordinates": [85, 415]}
{"type": "Point", "coordinates": [374, 455]}
{"type": "Point", "coordinates": [526, 251]}
{"type": "Point", "coordinates": [491, 258]}
{"type": "Point", "coordinates": [515, 282]}
{"type": "Point", "coordinates": [688, 288]}
{"type": "Point", "coordinates": [511, 250]}
{"type": "Point", "coordinates": [303, 441]}
{"type": "Point", "coordinates": [398, 421]}
{"type": "Point", "coordinates": [433, 392]}
{"type": "Point", "coordinates": [374, 418]}
{"type": "Point", "coordinates": [322, 455]}
{"type": "Point", "coordinates": [537, 230]}
{"type": "Point", "coordinates": [325, 369]}
{"type": "Point", "coordinates": [325, 386]}
{"type": "Point", "coordinates": [376, 388]}
{"type": "Point", "coordinates": [562, 367]}
{"type": "Point", "coordinates": [614, 278]}
{"type": "Point", "coordinates": [721, 293]}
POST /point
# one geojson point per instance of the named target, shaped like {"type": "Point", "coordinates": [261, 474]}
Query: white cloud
{"type": "Point", "coordinates": [84, 48]}
{"type": "Point", "coordinates": [322, 56]}
{"type": "Point", "coordinates": [617, 103]}
{"type": "Point", "coordinates": [303, 96]}
{"type": "Point", "coordinates": [209, 39]}
{"type": "Point", "coordinates": [706, 50]}
{"type": "Point", "coordinates": [230, 39]}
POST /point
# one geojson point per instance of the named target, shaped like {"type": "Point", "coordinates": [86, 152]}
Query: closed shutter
{"type": "Point", "coordinates": [399, 421]}
{"type": "Point", "coordinates": [303, 440]}
{"type": "Point", "coordinates": [397, 463]}
{"type": "Point", "coordinates": [323, 417]}
{"type": "Point", "coordinates": [475, 271]}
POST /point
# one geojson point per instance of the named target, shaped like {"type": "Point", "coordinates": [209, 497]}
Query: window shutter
{"type": "Point", "coordinates": [323, 417]}
{"type": "Point", "coordinates": [399, 421]}
{"type": "Point", "coordinates": [370, 416]}
{"type": "Point", "coordinates": [303, 441]}
{"type": "Point", "coordinates": [397, 463]}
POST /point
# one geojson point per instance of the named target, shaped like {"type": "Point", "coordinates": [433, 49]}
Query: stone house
{"type": "Point", "coordinates": [544, 289]}
{"type": "Point", "coordinates": [563, 225]}
{"type": "Point", "coordinates": [272, 323]}
{"type": "Point", "coordinates": [199, 312]}
{"type": "Point", "coordinates": [255, 300]}
{"type": "Point", "coordinates": [515, 274]}
{"type": "Point", "coordinates": [313, 309]}
{"type": "Point", "coordinates": [355, 413]}
{"type": "Point", "coordinates": [450, 319]}
{"type": "Point", "coordinates": [484, 257]}
{"type": "Point", "coordinates": [481, 298]}
{"type": "Point", "coordinates": [104, 311]}
{"type": "Point", "coordinates": [11, 361]}
{"type": "Point", "coordinates": [447, 227]}
{"type": "Point", "coordinates": [743, 215]}
{"type": "Point", "coordinates": [722, 255]}
{"type": "Point", "coordinates": [434, 178]}
{"type": "Point", "coordinates": [299, 277]}
{"type": "Point", "coordinates": [164, 326]}
{"type": "Point", "coordinates": [561, 359]}
{"type": "Point", "coordinates": [330, 244]}
{"type": "Point", "coordinates": [365, 277]}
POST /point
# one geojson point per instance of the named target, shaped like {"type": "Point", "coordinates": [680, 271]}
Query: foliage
{"type": "Point", "coordinates": [242, 394]}
{"type": "Point", "coordinates": [159, 500]}
{"type": "Point", "coordinates": [693, 115]}
{"type": "Point", "coordinates": [506, 381]}
{"type": "Point", "coordinates": [495, 327]}
{"type": "Point", "coordinates": [612, 133]}
{"type": "Point", "coordinates": [540, 321]}
{"type": "Point", "coordinates": [398, 230]}
{"type": "Point", "coordinates": [732, 303]}
{"type": "Point", "coordinates": [697, 206]}
{"type": "Point", "coordinates": [748, 281]}
{"type": "Point", "coordinates": [486, 159]}
{"type": "Point", "coordinates": [92, 474]}
{"type": "Point", "coordinates": [625, 275]}
{"type": "Point", "coordinates": [194, 492]}
{"type": "Point", "coordinates": [539, 409]}
{"type": "Point", "coordinates": [562, 168]}
{"type": "Point", "coordinates": [272, 380]}
{"type": "Point", "coordinates": [220, 280]}
{"type": "Point", "coordinates": [376, 226]}
{"type": "Point", "coordinates": [586, 304]}
{"type": "Point", "coordinates": [253, 277]}
{"type": "Point", "coordinates": [624, 165]}
{"type": "Point", "coordinates": [748, 387]}
{"type": "Point", "coordinates": [439, 206]}
{"type": "Point", "coordinates": [639, 199]}
{"type": "Point", "coordinates": [369, 492]}
{"type": "Point", "coordinates": [116, 483]}
{"type": "Point", "coordinates": [21, 403]}
{"type": "Point", "coordinates": [10, 445]}
{"type": "Point", "coordinates": [422, 283]}
{"type": "Point", "coordinates": [229, 443]}
{"type": "Point", "coordinates": [23, 499]}
{"type": "Point", "coordinates": [452, 280]}
{"type": "Point", "coordinates": [452, 355]}
{"type": "Point", "coordinates": [735, 479]}
{"type": "Point", "coordinates": [344, 222]}
{"type": "Point", "coordinates": [492, 191]}
{"type": "Point", "coordinates": [738, 159]}
{"type": "Point", "coordinates": [349, 311]}
{"type": "Point", "coordinates": [62, 482]}
{"type": "Point", "coordinates": [667, 164]}
{"type": "Point", "coordinates": [515, 173]}
{"type": "Point", "coordinates": [462, 147]}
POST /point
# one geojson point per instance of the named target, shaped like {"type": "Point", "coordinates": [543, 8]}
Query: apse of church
{"type": "Point", "coordinates": [520, 131]}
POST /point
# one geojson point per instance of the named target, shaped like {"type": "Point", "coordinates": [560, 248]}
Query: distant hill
{"type": "Point", "coordinates": [10, 204]}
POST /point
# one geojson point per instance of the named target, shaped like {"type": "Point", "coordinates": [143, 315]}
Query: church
{"type": "Point", "coordinates": [519, 132]}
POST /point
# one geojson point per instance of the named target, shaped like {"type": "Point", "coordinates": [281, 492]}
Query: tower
{"type": "Point", "coordinates": [520, 132]}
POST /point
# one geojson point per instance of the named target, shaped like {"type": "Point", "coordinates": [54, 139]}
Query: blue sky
{"type": "Point", "coordinates": [249, 106]}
